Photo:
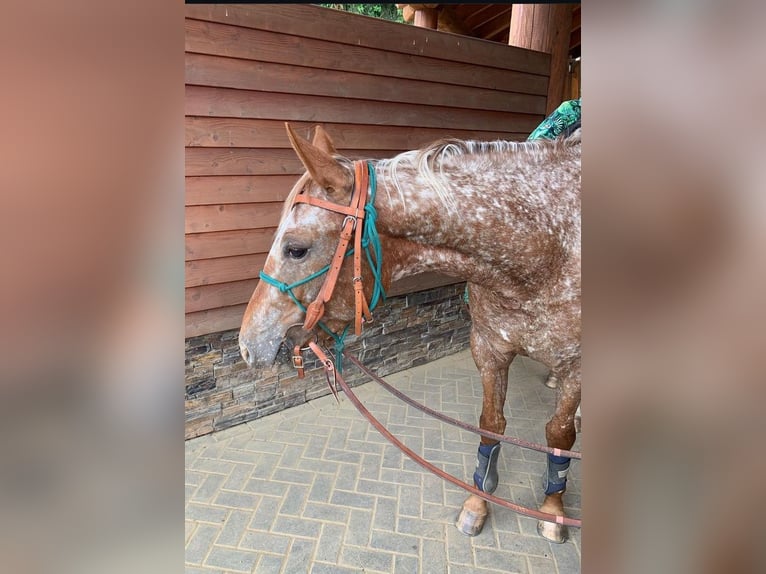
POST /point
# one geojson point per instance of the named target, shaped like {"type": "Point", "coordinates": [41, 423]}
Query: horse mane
{"type": "Point", "coordinates": [429, 162]}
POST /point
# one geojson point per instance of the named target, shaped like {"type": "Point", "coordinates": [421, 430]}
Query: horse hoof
{"type": "Point", "coordinates": [557, 533]}
{"type": "Point", "coordinates": [470, 523]}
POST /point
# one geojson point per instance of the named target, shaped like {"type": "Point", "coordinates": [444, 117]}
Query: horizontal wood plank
{"type": "Point", "coordinates": [251, 44]}
{"type": "Point", "coordinates": [223, 270]}
{"type": "Point", "coordinates": [246, 161]}
{"type": "Point", "coordinates": [220, 295]}
{"type": "Point", "coordinates": [214, 190]}
{"type": "Point", "coordinates": [254, 133]}
{"type": "Point", "coordinates": [228, 243]}
{"type": "Point", "coordinates": [420, 282]}
{"type": "Point", "coordinates": [204, 70]}
{"type": "Point", "coordinates": [214, 320]}
{"type": "Point", "coordinates": [225, 102]}
{"type": "Point", "coordinates": [242, 161]}
{"type": "Point", "coordinates": [206, 218]}
{"type": "Point", "coordinates": [342, 27]}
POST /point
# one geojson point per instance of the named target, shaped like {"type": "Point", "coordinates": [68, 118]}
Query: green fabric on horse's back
{"type": "Point", "coordinates": [561, 122]}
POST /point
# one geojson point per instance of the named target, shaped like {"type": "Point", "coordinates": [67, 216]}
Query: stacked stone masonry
{"type": "Point", "coordinates": [408, 330]}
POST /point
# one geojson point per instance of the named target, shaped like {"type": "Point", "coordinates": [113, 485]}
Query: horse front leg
{"type": "Point", "coordinates": [560, 433]}
{"type": "Point", "coordinates": [493, 368]}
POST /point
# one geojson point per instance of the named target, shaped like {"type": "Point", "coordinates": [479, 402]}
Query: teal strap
{"type": "Point", "coordinates": [373, 250]}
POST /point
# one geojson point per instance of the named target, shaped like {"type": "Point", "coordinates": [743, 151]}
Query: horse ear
{"type": "Point", "coordinates": [322, 167]}
{"type": "Point", "coordinates": [322, 140]}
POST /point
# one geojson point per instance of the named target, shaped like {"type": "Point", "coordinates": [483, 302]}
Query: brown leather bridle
{"type": "Point", "coordinates": [352, 224]}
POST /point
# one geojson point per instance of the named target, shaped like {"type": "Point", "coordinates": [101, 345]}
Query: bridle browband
{"type": "Point", "coordinates": [359, 225]}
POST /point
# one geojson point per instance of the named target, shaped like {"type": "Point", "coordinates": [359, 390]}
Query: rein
{"type": "Point", "coordinates": [358, 224]}
{"type": "Point", "coordinates": [331, 374]}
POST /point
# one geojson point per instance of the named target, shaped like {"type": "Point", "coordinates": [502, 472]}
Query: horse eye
{"type": "Point", "coordinates": [297, 252]}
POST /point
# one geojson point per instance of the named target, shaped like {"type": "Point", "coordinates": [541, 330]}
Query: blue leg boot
{"type": "Point", "coordinates": [471, 519]}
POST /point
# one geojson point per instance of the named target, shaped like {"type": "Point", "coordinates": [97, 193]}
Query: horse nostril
{"type": "Point", "coordinates": [245, 353]}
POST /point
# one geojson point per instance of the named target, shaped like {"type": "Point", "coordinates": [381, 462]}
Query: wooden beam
{"type": "Point", "coordinates": [561, 25]}
{"type": "Point", "coordinates": [545, 28]}
{"type": "Point", "coordinates": [427, 18]}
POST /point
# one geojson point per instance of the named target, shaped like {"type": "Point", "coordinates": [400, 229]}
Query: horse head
{"type": "Point", "coordinates": [305, 243]}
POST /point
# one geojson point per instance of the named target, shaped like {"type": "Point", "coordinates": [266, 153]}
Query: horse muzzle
{"type": "Point", "coordinates": [261, 352]}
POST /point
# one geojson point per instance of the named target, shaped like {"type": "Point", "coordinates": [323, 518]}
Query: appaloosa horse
{"type": "Point", "coordinates": [504, 216]}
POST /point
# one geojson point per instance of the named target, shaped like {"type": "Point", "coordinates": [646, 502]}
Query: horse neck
{"type": "Point", "coordinates": [505, 222]}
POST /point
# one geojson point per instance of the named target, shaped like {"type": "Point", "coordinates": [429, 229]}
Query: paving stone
{"type": "Point", "coordinates": [539, 565]}
{"type": "Point", "coordinates": [326, 512]}
{"type": "Point", "coordinates": [566, 557]}
{"type": "Point", "coordinates": [376, 487]}
{"type": "Point", "coordinates": [323, 568]}
{"type": "Point", "coordinates": [300, 555]}
{"type": "Point", "coordinates": [368, 560]}
{"type": "Point", "coordinates": [352, 499]}
{"type": "Point", "coordinates": [316, 489]}
{"type": "Point", "coordinates": [393, 542]}
{"type": "Point", "coordinates": [295, 500]}
{"type": "Point", "coordinates": [358, 531]}
{"type": "Point", "coordinates": [236, 499]}
{"type": "Point", "coordinates": [238, 477]}
{"type": "Point", "coordinates": [500, 561]}
{"type": "Point", "coordinates": [409, 500]}
{"type": "Point", "coordinates": [234, 527]}
{"type": "Point", "coordinates": [201, 543]}
{"type": "Point", "coordinates": [231, 559]}
{"type": "Point", "coordinates": [459, 548]}
{"type": "Point", "coordinates": [265, 542]}
{"type": "Point", "coordinates": [293, 476]}
{"type": "Point", "coordinates": [385, 514]}
{"type": "Point", "coordinates": [330, 541]}
{"type": "Point", "coordinates": [421, 528]}
{"type": "Point", "coordinates": [189, 527]}
{"type": "Point", "coordinates": [271, 488]}
{"type": "Point", "coordinates": [535, 545]}
{"type": "Point", "coordinates": [405, 564]}
{"type": "Point", "coordinates": [297, 526]}
{"type": "Point", "coordinates": [269, 564]}
{"type": "Point", "coordinates": [195, 570]}
{"type": "Point", "coordinates": [265, 514]}
{"type": "Point", "coordinates": [204, 513]}
{"type": "Point", "coordinates": [434, 557]}
{"type": "Point", "coordinates": [346, 478]}
{"type": "Point", "coordinates": [322, 488]}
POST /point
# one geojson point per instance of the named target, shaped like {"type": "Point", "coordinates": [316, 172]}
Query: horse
{"type": "Point", "coordinates": [503, 216]}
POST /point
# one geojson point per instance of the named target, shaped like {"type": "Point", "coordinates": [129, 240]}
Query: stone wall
{"type": "Point", "coordinates": [409, 330]}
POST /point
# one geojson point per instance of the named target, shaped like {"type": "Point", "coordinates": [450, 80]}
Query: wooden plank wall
{"type": "Point", "coordinates": [379, 88]}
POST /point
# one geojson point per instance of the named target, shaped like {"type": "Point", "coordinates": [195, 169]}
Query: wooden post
{"type": "Point", "coordinates": [427, 18]}
{"type": "Point", "coordinates": [545, 28]}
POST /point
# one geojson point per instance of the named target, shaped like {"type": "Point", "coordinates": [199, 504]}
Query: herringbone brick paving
{"type": "Point", "coordinates": [315, 489]}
